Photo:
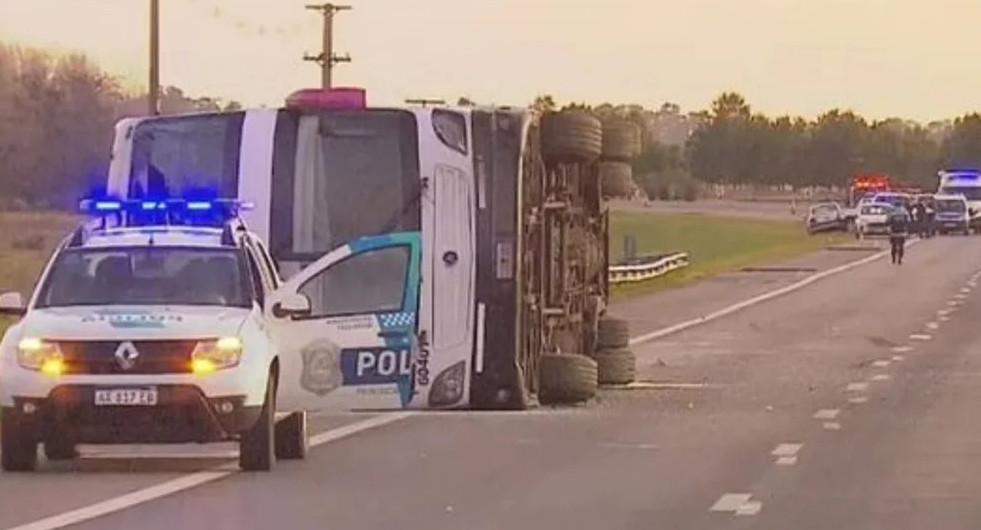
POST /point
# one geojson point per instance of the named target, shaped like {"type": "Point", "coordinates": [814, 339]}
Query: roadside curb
{"type": "Point", "coordinates": [682, 326]}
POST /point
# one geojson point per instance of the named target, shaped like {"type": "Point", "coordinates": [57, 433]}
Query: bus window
{"type": "Point", "coordinates": [342, 175]}
{"type": "Point", "coordinates": [174, 155]}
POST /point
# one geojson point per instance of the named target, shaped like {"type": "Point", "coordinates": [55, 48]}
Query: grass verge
{"type": "Point", "coordinates": [715, 244]}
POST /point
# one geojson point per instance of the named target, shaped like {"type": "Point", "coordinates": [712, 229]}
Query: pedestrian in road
{"type": "Point", "coordinates": [899, 225]}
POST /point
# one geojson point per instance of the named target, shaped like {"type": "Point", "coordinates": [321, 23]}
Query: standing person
{"type": "Point", "coordinates": [920, 218]}
{"type": "Point", "coordinates": [899, 224]}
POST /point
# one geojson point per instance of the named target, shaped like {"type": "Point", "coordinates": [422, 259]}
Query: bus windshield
{"type": "Point", "coordinates": [971, 193]}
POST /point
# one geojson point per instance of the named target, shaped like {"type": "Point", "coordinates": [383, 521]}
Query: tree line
{"type": "Point", "coordinates": [733, 145]}
{"type": "Point", "coordinates": [57, 114]}
{"type": "Point", "coordinates": [56, 123]}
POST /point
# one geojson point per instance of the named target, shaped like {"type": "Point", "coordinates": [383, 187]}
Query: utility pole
{"type": "Point", "coordinates": [327, 58]}
{"type": "Point", "coordinates": [153, 94]}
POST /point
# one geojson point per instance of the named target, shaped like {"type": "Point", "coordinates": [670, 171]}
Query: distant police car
{"type": "Point", "coordinates": [149, 332]}
{"type": "Point", "coordinates": [952, 214]}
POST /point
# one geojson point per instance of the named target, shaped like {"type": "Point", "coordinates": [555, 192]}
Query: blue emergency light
{"type": "Point", "coordinates": [171, 212]}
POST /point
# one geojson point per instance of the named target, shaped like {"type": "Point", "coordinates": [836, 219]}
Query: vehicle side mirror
{"type": "Point", "coordinates": [293, 305]}
{"type": "Point", "coordinates": [12, 304]}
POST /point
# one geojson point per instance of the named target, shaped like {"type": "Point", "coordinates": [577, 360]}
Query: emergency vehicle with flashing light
{"type": "Point", "coordinates": [965, 182]}
{"type": "Point", "coordinates": [163, 322]}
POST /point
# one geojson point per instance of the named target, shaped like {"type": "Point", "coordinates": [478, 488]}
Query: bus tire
{"type": "Point", "coordinates": [616, 179]}
{"type": "Point", "coordinates": [292, 438]}
{"type": "Point", "coordinates": [621, 140]}
{"type": "Point", "coordinates": [571, 136]}
{"type": "Point", "coordinates": [567, 378]}
{"type": "Point", "coordinates": [616, 366]}
{"type": "Point", "coordinates": [612, 333]}
{"type": "Point", "coordinates": [256, 448]}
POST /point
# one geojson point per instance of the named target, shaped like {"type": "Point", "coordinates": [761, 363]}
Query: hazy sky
{"type": "Point", "coordinates": [914, 58]}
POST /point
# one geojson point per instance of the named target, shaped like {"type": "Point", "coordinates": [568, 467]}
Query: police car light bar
{"type": "Point", "coordinates": [109, 206]}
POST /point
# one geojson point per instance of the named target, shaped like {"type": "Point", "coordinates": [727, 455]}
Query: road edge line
{"type": "Point", "coordinates": [193, 480]}
{"type": "Point", "coordinates": [758, 299]}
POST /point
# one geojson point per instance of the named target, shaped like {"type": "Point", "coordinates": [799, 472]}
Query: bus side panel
{"type": "Point", "coordinates": [496, 156]}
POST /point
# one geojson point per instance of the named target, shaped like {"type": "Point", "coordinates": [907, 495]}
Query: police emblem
{"type": "Point", "coordinates": [321, 367]}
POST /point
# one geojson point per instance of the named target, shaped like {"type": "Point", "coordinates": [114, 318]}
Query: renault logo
{"type": "Point", "coordinates": [126, 355]}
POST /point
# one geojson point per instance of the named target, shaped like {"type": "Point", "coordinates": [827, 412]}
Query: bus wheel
{"type": "Point", "coordinates": [613, 333]}
{"type": "Point", "coordinates": [567, 378]}
{"type": "Point", "coordinates": [621, 141]}
{"type": "Point", "coordinates": [616, 366]}
{"type": "Point", "coordinates": [571, 136]}
{"type": "Point", "coordinates": [616, 178]}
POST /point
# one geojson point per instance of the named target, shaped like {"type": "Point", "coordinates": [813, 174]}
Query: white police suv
{"type": "Point", "coordinates": [149, 325]}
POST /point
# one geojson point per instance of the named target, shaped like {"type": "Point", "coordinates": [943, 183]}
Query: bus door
{"type": "Point", "coordinates": [345, 326]}
{"type": "Point", "coordinates": [442, 367]}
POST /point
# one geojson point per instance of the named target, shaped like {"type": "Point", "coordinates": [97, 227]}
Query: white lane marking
{"type": "Point", "coordinates": [902, 349]}
{"type": "Point", "coordinates": [832, 426]}
{"type": "Point", "coordinates": [622, 445]}
{"type": "Point", "coordinates": [787, 449]}
{"type": "Point", "coordinates": [881, 377]}
{"type": "Point", "coordinates": [857, 387]}
{"type": "Point", "coordinates": [965, 290]}
{"type": "Point", "coordinates": [932, 325]}
{"type": "Point", "coordinates": [750, 508]}
{"type": "Point", "coordinates": [944, 312]}
{"type": "Point", "coordinates": [786, 460]}
{"type": "Point", "coordinates": [881, 363]}
{"type": "Point", "coordinates": [920, 336]}
{"type": "Point", "coordinates": [858, 400]}
{"type": "Point", "coordinates": [898, 358]}
{"type": "Point", "coordinates": [954, 303]}
{"type": "Point", "coordinates": [190, 481]}
{"type": "Point", "coordinates": [826, 414]}
{"type": "Point", "coordinates": [730, 502]}
{"type": "Point", "coordinates": [960, 296]}
{"type": "Point", "coordinates": [944, 318]}
{"type": "Point", "coordinates": [681, 326]}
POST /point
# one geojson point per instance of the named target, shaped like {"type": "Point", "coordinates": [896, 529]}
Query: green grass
{"type": "Point", "coordinates": [715, 244]}
{"type": "Point", "coordinates": [26, 242]}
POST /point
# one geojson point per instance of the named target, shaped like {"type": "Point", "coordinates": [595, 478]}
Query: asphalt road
{"type": "Point", "coordinates": [846, 404]}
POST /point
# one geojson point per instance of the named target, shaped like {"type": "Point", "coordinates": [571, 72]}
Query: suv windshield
{"type": "Point", "coordinates": [147, 276]}
{"type": "Point", "coordinates": [971, 193]}
{"type": "Point", "coordinates": [951, 205]}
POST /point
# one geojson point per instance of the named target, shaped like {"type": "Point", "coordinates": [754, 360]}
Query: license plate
{"type": "Point", "coordinates": [145, 397]}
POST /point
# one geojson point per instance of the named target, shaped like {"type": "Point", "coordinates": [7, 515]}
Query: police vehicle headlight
{"type": "Point", "coordinates": [40, 355]}
{"type": "Point", "coordinates": [211, 355]}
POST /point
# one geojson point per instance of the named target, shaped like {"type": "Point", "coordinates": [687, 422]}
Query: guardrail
{"type": "Point", "coordinates": [645, 268]}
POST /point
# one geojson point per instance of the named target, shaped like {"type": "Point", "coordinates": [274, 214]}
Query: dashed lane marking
{"type": "Point", "coordinates": [881, 377]}
{"type": "Point", "coordinates": [898, 358]}
{"type": "Point", "coordinates": [965, 290]}
{"type": "Point", "coordinates": [944, 318]}
{"type": "Point", "coordinates": [832, 426]}
{"type": "Point", "coordinates": [786, 460]}
{"type": "Point", "coordinates": [932, 325]}
{"type": "Point", "coordinates": [826, 414]}
{"type": "Point", "coordinates": [954, 303]}
{"type": "Point", "coordinates": [881, 363]}
{"type": "Point", "coordinates": [858, 400]}
{"type": "Point", "coordinates": [787, 449]}
{"type": "Point", "coordinates": [730, 502]}
{"type": "Point", "coordinates": [902, 349]}
{"type": "Point", "coordinates": [857, 387]}
{"type": "Point", "coordinates": [920, 336]}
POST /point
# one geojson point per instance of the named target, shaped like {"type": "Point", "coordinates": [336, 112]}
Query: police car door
{"type": "Point", "coordinates": [344, 326]}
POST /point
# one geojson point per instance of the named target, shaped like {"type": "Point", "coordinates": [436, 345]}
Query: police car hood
{"type": "Point", "coordinates": [137, 322]}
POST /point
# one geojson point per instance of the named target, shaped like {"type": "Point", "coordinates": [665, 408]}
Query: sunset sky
{"type": "Point", "coordinates": [913, 58]}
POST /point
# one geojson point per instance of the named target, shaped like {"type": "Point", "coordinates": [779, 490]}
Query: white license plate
{"type": "Point", "coordinates": [145, 397]}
